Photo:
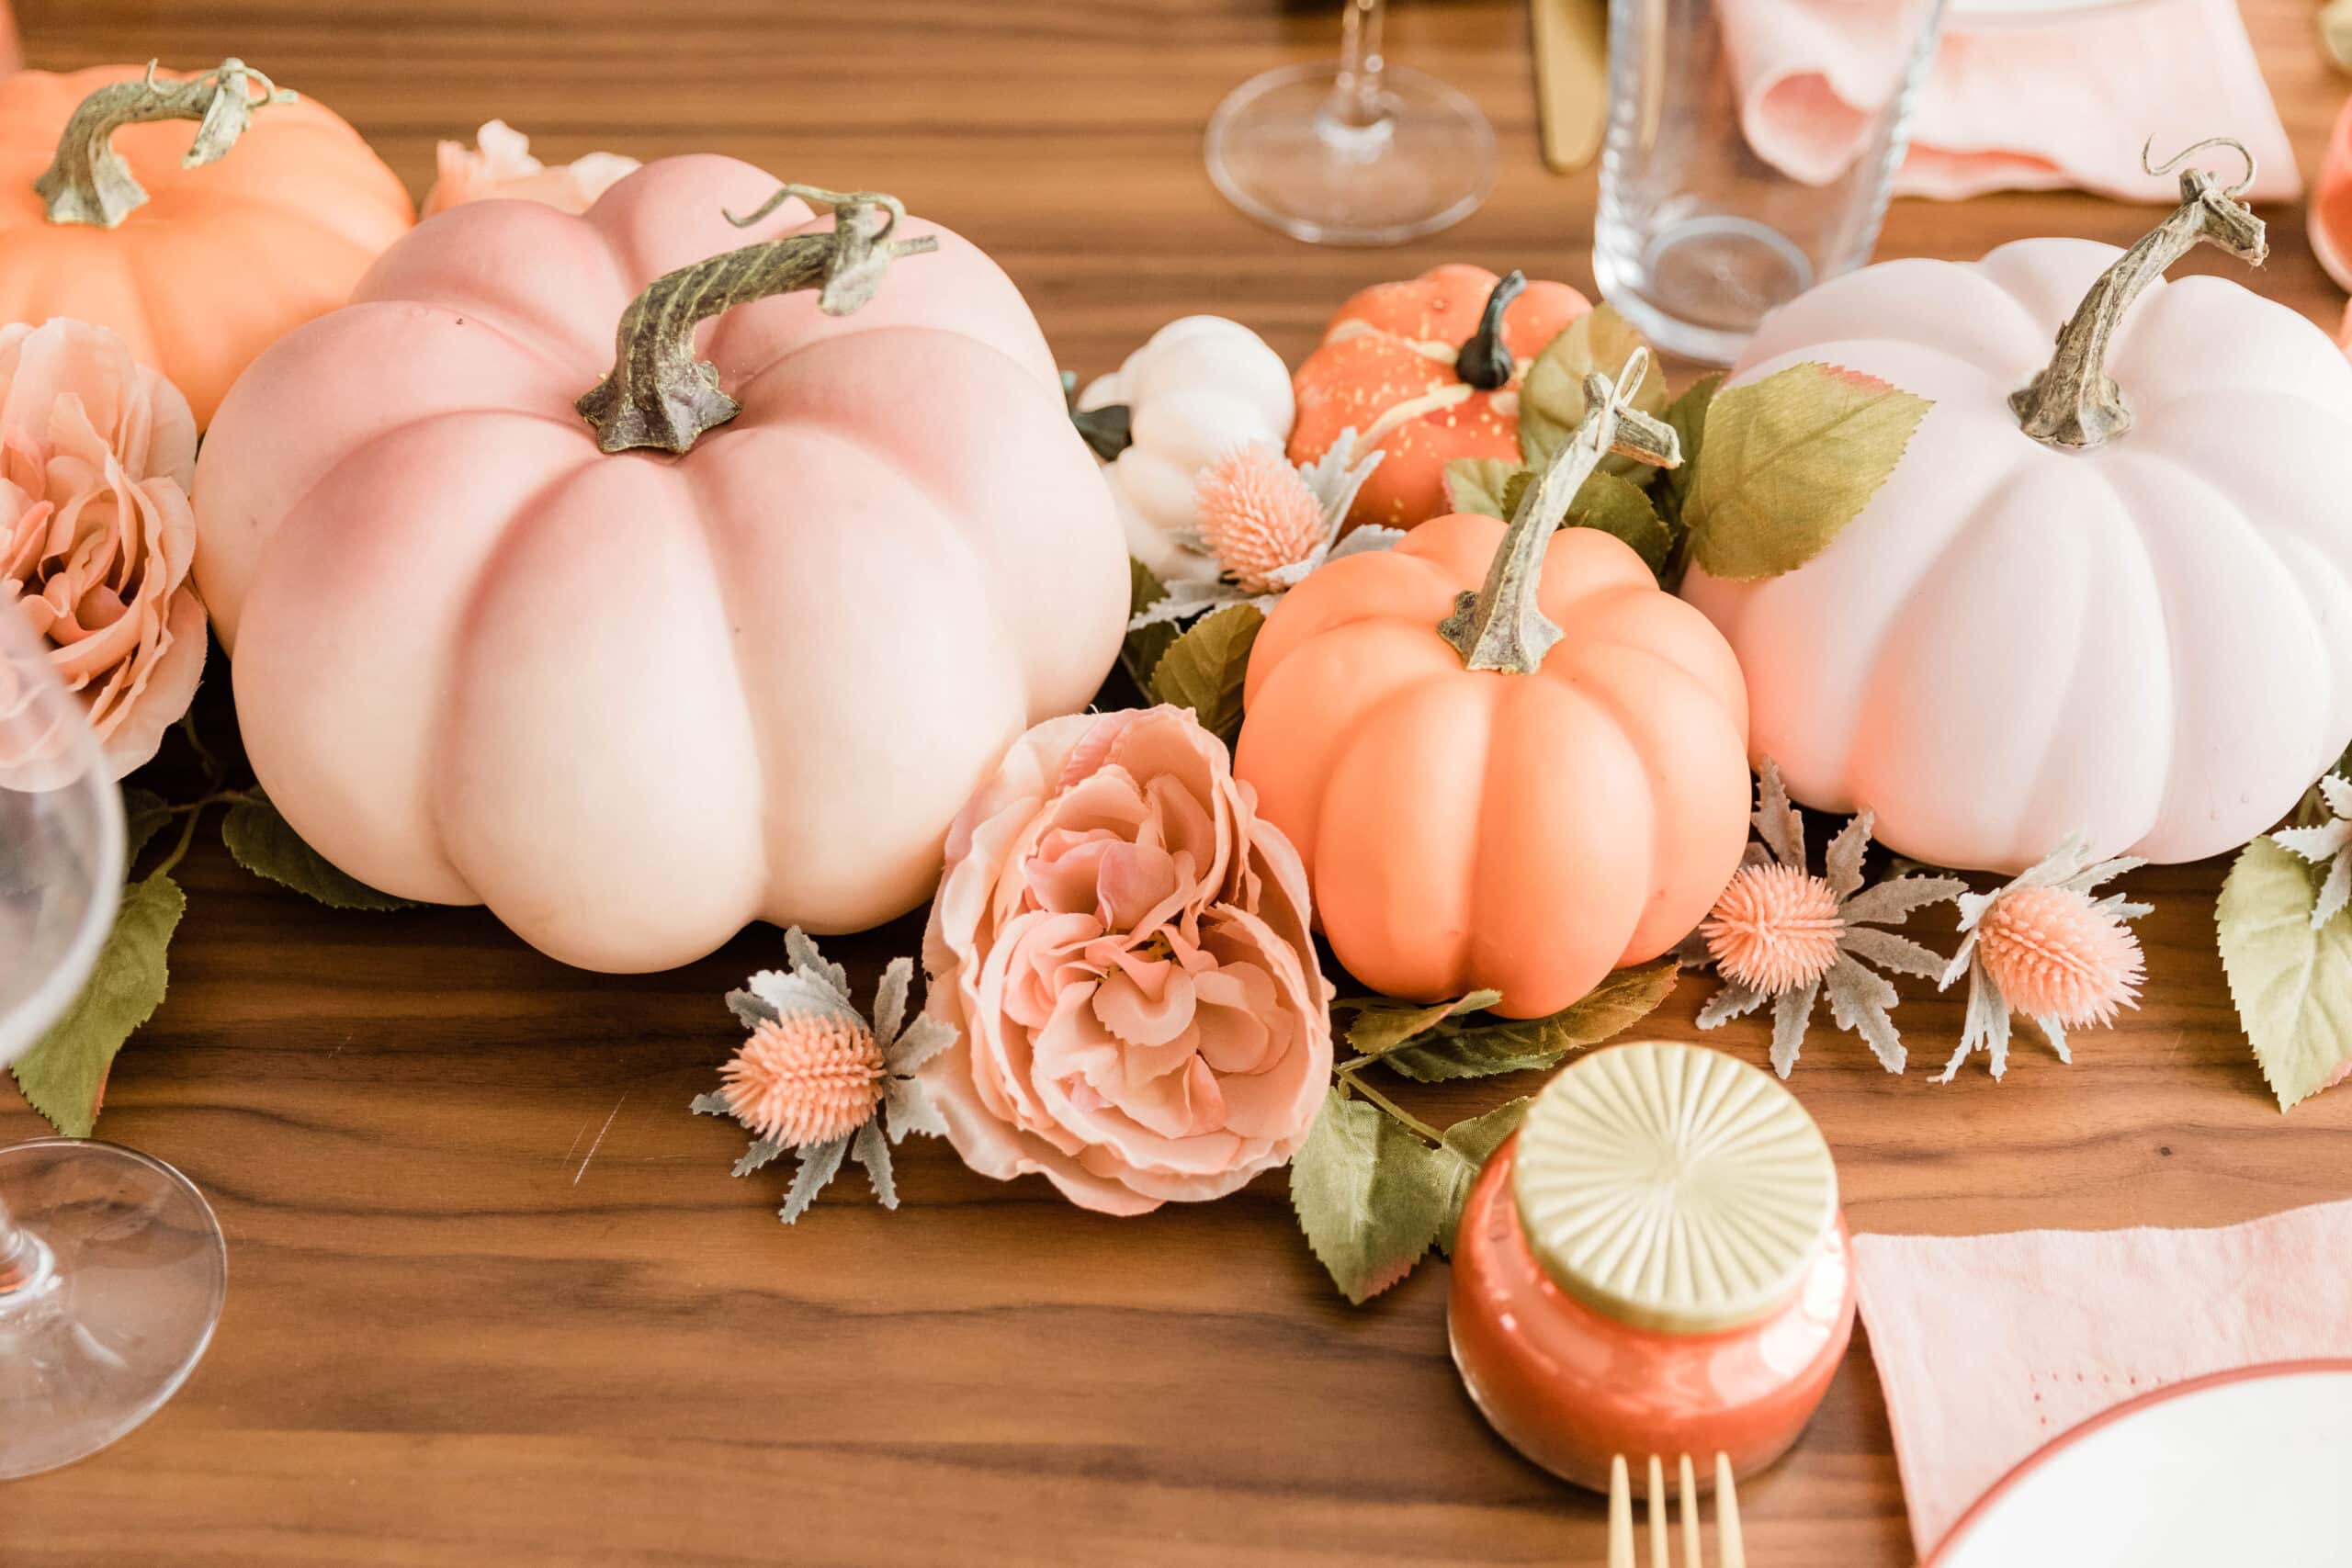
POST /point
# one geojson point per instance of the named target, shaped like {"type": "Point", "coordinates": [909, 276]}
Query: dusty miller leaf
{"type": "Point", "coordinates": [1471, 1141]}
{"type": "Point", "coordinates": [65, 1076]}
{"type": "Point", "coordinates": [266, 844]}
{"type": "Point", "coordinates": [1382, 1024]}
{"type": "Point", "coordinates": [760, 1153]}
{"type": "Point", "coordinates": [711, 1104]}
{"type": "Point", "coordinates": [1552, 400]}
{"type": "Point", "coordinates": [1370, 1195]}
{"type": "Point", "coordinates": [1790, 461]}
{"type": "Point", "coordinates": [1467, 1050]}
{"type": "Point", "coordinates": [1204, 669]}
{"type": "Point", "coordinates": [1687, 416]}
{"type": "Point", "coordinates": [872, 1150]}
{"type": "Point", "coordinates": [817, 1168]}
{"type": "Point", "coordinates": [2292, 985]}
{"type": "Point", "coordinates": [810, 965]}
{"type": "Point", "coordinates": [1145, 645]}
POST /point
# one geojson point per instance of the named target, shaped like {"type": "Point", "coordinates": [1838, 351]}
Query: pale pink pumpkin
{"type": "Point", "coordinates": [2143, 641]}
{"type": "Point", "coordinates": [632, 701]}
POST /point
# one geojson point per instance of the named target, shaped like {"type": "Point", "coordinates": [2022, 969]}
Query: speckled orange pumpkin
{"type": "Point", "coordinates": [1425, 370]}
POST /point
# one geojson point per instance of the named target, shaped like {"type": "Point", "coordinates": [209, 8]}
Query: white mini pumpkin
{"type": "Point", "coordinates": [1200, 388]}
{"type": "Point", "coordinates": [2135, 623]}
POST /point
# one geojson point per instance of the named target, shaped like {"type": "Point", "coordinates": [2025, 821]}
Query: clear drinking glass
{"type": "Point", "coordinates": [112, 1269]}
{"type": "Point", "coordinates": [1751, 146]}
{"type": "Point", "coordinates": [1354, 153]}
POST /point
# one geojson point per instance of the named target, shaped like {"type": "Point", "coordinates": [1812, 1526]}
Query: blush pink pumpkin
{"type": "Point", "coordinates": [2145, 636]}
{"type": "Point", "coordinates": [634, 701]}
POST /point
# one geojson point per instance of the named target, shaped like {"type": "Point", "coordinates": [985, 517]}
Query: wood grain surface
{"type": "Point", "coordinates": [494, 1298]}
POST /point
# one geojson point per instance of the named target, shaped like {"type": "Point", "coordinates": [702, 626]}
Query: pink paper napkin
{"type": "Point", "coordinates": [1990, 1345]}
{"type": "Point", "coordinates": [2009, 104]}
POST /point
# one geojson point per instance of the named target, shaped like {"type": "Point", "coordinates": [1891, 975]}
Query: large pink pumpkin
{"type": "Point", "coordinates": [632, 702]}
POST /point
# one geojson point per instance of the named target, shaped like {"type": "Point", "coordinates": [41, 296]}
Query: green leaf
{"type": "Point", "coordinates": [1621, 507]}
{"type": "Point", "coordinates": [143, 815]}
{"type": "Point", "coordinates": [1687, 416]}
{"type": "Point", "coordinates": [1552, 401]}
{"type": "Point", "coordinates": [1382, 1024]}
{"type": "Point", "coordinates": [1370, 1195]}
{"type": "Point", "coordinates": [1790, 461]}
{"type": "Point", "coordinates": [65, 1076]}
{"type": "Point", "coordinates": [1144, 649]}
{"type": "Point", "coordinates": [266, 845]}
{"type": "Point", "coordinates": [1458, 1050]}
{"type": "Point", "coordinates": [2292, 985]}
{"type": "Point", "coordinates": [1473, 1142]}
{"type": "Point", "coordinates": [1482, 484]}
{"type": "Point", "coordinates": [1203, 669]}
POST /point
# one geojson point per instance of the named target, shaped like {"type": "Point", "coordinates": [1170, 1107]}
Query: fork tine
{"type": "Point", "coordinates": [1660, 1557]}
{"type": "Point", "coordinates": [1620, 1515]}
{"type": "Point", "coordinates": [1692, 1556]}
{"type": "Point", "coordinates": [1728, 1545]}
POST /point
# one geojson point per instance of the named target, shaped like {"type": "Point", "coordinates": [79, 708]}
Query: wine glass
{"type": "Point", "coordinates": [1360, 153]}
{"type": "Point", "coordinates": [112, 1268]}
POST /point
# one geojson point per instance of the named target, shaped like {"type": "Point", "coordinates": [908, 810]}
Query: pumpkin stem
{"type": "Point", "coordinates": [1502, 627]}
{"type": "Point", "coordinates": [2073, 404]}
{"type": "Point", "coordinates": [658, 394]}
{"type": "Point", "coordinates": [87, 182]}
{"type": "Point", "coordinates": [1485, 362]}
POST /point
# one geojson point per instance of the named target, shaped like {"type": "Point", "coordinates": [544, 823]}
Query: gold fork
{"type": "Point", "coordinates": [1729, 1551]}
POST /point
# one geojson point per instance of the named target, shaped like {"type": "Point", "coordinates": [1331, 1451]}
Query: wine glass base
{"type": "Point", "coordinates": [113, 1307]}
{"type": "Point", "coordinates": [1278, 153]}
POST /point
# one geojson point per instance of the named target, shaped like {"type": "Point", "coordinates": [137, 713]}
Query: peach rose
{"type": "Point", "coordinates": [503, 167]}
{"type": "Point", "coordinates": [1123, 945]}
{"type": "Point", "coordinates": [96, 453]}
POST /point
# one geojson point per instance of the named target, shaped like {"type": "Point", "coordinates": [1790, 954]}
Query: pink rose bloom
{"type": "Point", "coordinates": [96, 453]}
{"type": "Point", "coordinates": [503, 167]}
{"type": "Point", "coordinates": [1123, 944]}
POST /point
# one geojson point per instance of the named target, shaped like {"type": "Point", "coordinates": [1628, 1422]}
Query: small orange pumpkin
{"type": "Point", "coordinates": [1425, 370]}
{"type": "Point", "coordinates": [108, 212]}
{"type": "Point", "coordinates": [1519, 784]}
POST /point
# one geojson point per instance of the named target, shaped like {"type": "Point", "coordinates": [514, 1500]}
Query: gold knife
{"type": "Point", "coordinates": [1571, 79]}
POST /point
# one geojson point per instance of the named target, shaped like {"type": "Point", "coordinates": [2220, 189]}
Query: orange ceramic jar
{"type": "Point", "coordinates": [1655, 1264]}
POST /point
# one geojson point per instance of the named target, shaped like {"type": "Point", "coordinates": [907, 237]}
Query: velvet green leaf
{"type": "Point", "coordinates": [1482, 484]}
{"type": "Point", "coordinates": [1145, 645]}
{"type": "Point", "coordinates": [1687, 416]}
{"type": "Point", "coordinates": [1552, 401]}
{"type": "Point", "coordinates": [1383, 1024]}
{"type": "Point", "coordinates": [65, 1076]}
{"type": "Point", "coordinates": [1472, 1143]}
{"type": "Point", "coordinates": [143, 815]}
{"type": "Point", "coordinates": [1203, 669]}
{"type": "Point", "coordinates": [266, 844]}
{"type": "Point", "coordinates": [1621, 507]}
{"type": "Point", "coordinates": [1482, 1048]}
{"type": "Point", "coordinates": [1788, 461]}
{"type": "Point", "coordinates": [2292, 985]}
{"type": "Point", "coordinates": [1370, 1195]}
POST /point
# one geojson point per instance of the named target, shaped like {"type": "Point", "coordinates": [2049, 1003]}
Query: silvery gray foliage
{"type": "Point", "coordinates": [814, 987]}
{"type": "Point", "coordinates": [2328, 843]}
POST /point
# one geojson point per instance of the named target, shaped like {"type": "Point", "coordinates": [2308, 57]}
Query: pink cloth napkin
{"type": "Point", "coordinates": [2010, 104]}
{"type": "Point", "coordinates": [1990, 1345]}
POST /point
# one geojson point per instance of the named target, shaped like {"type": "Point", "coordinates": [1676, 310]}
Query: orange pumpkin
{"type": "Point", "coordinates": [1426, 371]}
{"type": "Point", "coordinates": [1507, 758]}
{"type": "Point", "coordinates": [198, 220]}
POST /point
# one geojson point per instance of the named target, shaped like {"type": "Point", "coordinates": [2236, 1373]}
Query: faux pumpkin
{"type": "Point", "coordinates": [740, 649]}
{"type": "Point", "coordinates": [1508, 760]}
{"type": "Point", "coordinates": [200, 217]}
{"type": "Point", "coordinates": [1426, 371]}
{"type": "Point", "coordinates": [1198, 391]}
{"type": "Point", "coordinates": [2108, 592]}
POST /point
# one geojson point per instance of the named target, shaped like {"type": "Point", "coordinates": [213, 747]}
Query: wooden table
{"type": "Point", "coordinates": [496, 1299]}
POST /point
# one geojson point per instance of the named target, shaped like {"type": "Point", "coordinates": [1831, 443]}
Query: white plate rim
{"type": "Point", "coordinates": [1954, 1538]}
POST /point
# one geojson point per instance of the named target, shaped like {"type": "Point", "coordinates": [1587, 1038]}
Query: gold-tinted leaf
{"type": "Point", "coordinates": [65, 1076]}
{"type": "Point", "coordinates": [266, 844]}
{"type": "Point", "coordinates": [1788, 461]}
{"type": "Point", "coordinates": [1145, 646]}
{"type": "Point", "coordinates": [1203, 669]}
{"type": "Point", "coordinates": [1370, 1195]}
{"type": "Point", "coordinates": [1687, 416]}
{"type": "Point", "coordinates": [1622, 508]}
{"type": "Point", "coordinates": [2292, 986]}
{"type": "Point", "coordinates": [1480, 484]}
{"type": "Point", "coordinates": [1383, 1024]}
{"type": "Point", "coordinates": [143, 815]}
{"type": "Point", "coordinates": [1552, 401]}
{"type": "Point", "coordinates": [1473, 1142]}
{"type": "Point", "coordinates": [1466, 1049]}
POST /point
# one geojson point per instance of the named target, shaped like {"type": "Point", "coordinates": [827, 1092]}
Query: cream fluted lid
{"type": "Point", "coordinates": [1673, 1187]}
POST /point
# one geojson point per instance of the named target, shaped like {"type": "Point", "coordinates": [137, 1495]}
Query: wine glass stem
{"type": "Point", "coordinates": [24, 1262]}
{"type": "Point", "coordinates": [1356, 97]}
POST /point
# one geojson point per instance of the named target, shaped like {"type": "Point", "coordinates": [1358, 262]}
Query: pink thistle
{"type": "Point", "coordinates": [2054, 953]}
{"type": "Point", "coordinates": [1259, 515]}
{"type": "Point", "coordinates": [1774, 929]}
{"type": "Point", "coordinates": [805, 1079]}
